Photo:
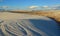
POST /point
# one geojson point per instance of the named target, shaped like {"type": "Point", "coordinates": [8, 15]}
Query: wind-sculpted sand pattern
{"type": "Point", "coordinates": [32, 26]}
{"type": "Point", "coordinates": [19, 28]}
{"type": "Point", "coordinates": [22, 27]}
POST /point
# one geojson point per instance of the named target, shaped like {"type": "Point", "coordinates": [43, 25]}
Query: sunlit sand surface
{"type": "Point", "coordinates": [6, 15]}
{"type": "Point", "coordinates": [16, 24]}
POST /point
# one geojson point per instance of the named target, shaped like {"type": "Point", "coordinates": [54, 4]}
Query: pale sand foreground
{"type": "Point", "coordinates": [13, 24]}
{"type": "Point", "coordinates": [7, 15]}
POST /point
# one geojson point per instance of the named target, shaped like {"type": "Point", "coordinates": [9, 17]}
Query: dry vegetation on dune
{"type": "Point", "coordinates": [52, 14]}
{"type": "Point", "coordinates": [55, 15]}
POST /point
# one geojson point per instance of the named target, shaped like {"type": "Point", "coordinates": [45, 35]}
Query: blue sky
{"type": "Point", "coordinates": [24, 4]}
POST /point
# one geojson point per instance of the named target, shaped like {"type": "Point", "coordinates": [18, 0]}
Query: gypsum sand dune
{"type": "Point", "coordinates": [23, 27]}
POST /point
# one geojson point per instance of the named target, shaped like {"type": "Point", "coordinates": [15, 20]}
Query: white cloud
{"type": "Point", "coordinates": [4, 6]}
{"type": "Point", "coordinates": [52, 7]}
{"type": "Point", "coordinates": [55, 7]}
{"type": "Point", "coordinates": [45, 6]}
{"type": "Point", "coordinates": [32, 7]}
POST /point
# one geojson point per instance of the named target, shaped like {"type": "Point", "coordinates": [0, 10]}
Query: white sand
{"type": "Point", "coordinates": [13, 16]}
{"type": "Point", "coordinates": [15, 24]}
